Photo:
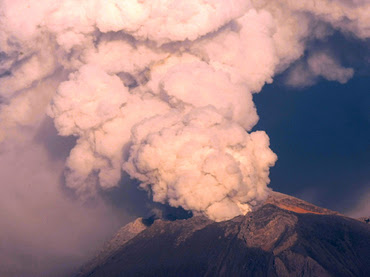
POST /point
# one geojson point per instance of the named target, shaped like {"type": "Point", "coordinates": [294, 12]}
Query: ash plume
{"type": "Point", "coordinates": [170, 76]}
{"type": "Point", "coordinates": [163, 89]}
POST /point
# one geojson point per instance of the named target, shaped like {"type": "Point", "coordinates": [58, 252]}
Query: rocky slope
{"type": "Point", "coordinates": [365, 219]}
{"type": "Point", "coordinates": [283, 237]}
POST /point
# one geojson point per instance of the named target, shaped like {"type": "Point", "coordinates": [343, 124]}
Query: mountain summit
{"type": "Point", "coordinates": [285, 236]}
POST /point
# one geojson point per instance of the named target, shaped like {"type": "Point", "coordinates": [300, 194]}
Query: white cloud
{"type": "Point", "coordinates": [318, 64]}
{"type": "Point", "coordinates": [104, 67]}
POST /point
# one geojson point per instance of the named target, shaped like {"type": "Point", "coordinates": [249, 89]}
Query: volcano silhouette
{"type": "Point", "coordinates": [285, 236]}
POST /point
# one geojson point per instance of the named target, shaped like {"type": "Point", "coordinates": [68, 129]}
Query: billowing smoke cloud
{"type": "Point", "coordinates": [104, 99]}
{"type": "Point", "coordinates": [163, 89]}
{"type": "Point", "coordinates": [318, 64]}
{"type": "Point", "coordinates": [175, 71]}
{"type": "Point", "coordinates": [213, 173]}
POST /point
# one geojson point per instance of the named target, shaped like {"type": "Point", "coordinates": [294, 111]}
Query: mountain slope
{"type": "Point", "coordinates": [284, 237]}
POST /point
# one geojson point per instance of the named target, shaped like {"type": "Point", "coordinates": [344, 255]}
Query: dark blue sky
{"type": "Point", "coordinates": [321, 135]}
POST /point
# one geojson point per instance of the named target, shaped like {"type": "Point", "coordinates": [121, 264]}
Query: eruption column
{"type": "Point", "coordinates": [163, 89]}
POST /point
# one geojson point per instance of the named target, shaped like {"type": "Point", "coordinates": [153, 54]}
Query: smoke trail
{"type": "Point", "coordinates": [163, 89]}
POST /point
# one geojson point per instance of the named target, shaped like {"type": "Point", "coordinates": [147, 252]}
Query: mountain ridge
{"type": "Point", "coordinates": [285, 236]}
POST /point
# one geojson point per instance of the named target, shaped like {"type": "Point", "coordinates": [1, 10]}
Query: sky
{"type": "Point", "coordinates": [323, 129]}
{"type": "Point", "coordinates": [110, 110]}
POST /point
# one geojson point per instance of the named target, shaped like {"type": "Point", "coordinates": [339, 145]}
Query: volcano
{"type": "Point", "coordinates": [285, 236]}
